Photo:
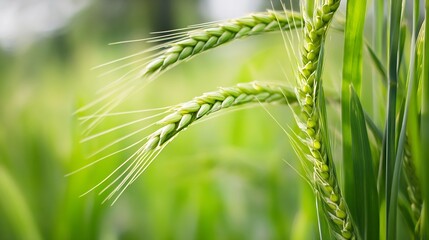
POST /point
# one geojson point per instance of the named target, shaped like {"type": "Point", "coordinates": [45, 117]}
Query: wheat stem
{"type": "Point", "coordinates": [200, 40]}
{"type": "Point", "coordinates": [324, 176]}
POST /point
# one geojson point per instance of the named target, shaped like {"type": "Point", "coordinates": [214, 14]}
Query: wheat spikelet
{"type": "Point", "coordinates": [323, 176]}
{"type": "Point", "coordinates": [200, 40]}
{"type": "Point", "coordinates": [181, 117]}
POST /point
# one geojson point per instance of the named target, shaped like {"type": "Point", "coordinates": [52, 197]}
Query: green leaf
{"type": "Point", "coordinates": [16, 209]}
{"type": "Point", "coordinates": [365, 184]}
{"type": "Point", "coordinates": [424, 131]}
{"type": "Point", "coordinates": [390, 134]}
{"type": "Point", "coordinates": [379, 28]}
{"type": "Point", "coordinates": [378, 64]}
{"type": "Point", "coordinates": [404, 206]}
{"type": "Point", "coordinates": [378, 135]}
{"type": "Point", "coordinates": [352, 76]}
{"type": "Point", "coordinates": [403, 120]}
{"type": "Point", "coordinates": [414, 124]}
{"type": "Point", "coordinates": [352, 69]}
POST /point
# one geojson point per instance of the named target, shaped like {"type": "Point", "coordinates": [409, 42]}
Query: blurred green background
{"type": "Point", "coordinates": [225, 178]}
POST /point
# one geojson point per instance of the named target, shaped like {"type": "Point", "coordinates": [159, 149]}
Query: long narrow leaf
{"type": "Point", "coordinates": [424, 134]}
{"type": "Point", "coordinates": [403, 120]}
{"type": "Point", "coordinates": [390, 134]}
{"type": "Point", "coordinates": [352, 75]}
{"type": "Point", "coordinates": [379, 28]}
{"type": "Point", "coordinates": [378, 64]}
{"type": "Point", "coordinates": [15, 208]}
{"type": "Point", "coordinates": [367, 218]}
{"type": "Point", "coordinates": [413, 127]}
{"type": "Point", "coordinates": [404, 208]}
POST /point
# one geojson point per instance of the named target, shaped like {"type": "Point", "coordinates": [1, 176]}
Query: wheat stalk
{"type": "Point", "coordinates": [324, 177]}
{"type": "Point", "coordinates": [201, 40]}
{"type": "Point", "coordinates": [183, 115]}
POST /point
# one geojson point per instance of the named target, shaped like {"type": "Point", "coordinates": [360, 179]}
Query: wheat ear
{"type": "Point", "coordinates": [181, 45]}
{"type": "Point", "coordinates": [413, 185]}
{"type": "Point", "coordinates": [200, 40]}
{"type": "Point", "coordinates": [409, 169]}
{"type": "Point", "coordinates": [183, 115]}
{"type": "Point", "coordinates": [324, 176]}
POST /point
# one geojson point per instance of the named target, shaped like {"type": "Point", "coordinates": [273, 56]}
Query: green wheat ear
{"type": "Point", "coordinates": [185, 114]}
{"type": "Point", "coordinates": [410, 173]}
{"type": "Point", "coordinates": [181, 46]}
{"type": "Point", "coordinates": [314, 135]}
{"type": "Point", "coordinates": [201, 40]}
{"type": "Point", "coordinates": [180, 118]}
{"type": "Point", "coordinates": [413, 185]}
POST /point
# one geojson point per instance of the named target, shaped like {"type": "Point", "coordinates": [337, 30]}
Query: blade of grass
{"type": "Point", "coordinates": [403, 120]}
{"type": "Point", "coordinates": [424, 134]}
{"type": "Point", "coordinates": [352, 70]}
{"type": "Point", "coordinates": [378, 64]}
{"type": "Point", "coordinates": [352, 75]}
{"type": "Point", "coordinates": [401, 50]}
{"type": "Point", "coordinates": [404, 208]}
{"type": "Point", "coordinates": [379, 29]}
{"type": "Point", "coordinates": [390, 134]}
{"type": "Point", "coordinates": [414, 115]}
{"type": "Point", "coordinates": [365, 184]}
{"type": "Point", "coordinates": [378, 135]}
{"type": "Point", "coordinates": [378, 43]}
{"type": "Point", "coordinates": [379, 39]}
{"type": "Point", "coordinates": [16, 209]}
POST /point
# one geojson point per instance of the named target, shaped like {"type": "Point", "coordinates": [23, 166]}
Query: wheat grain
{"type": "Point", "coordinates": [323, 176]}
{"type": "Point", "coordinates": [203, 39]}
